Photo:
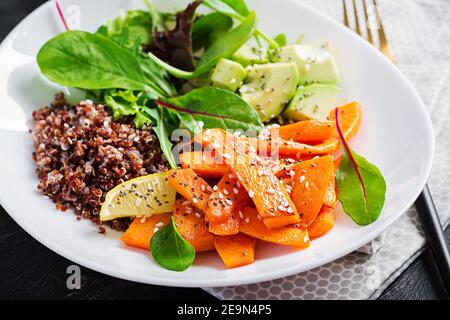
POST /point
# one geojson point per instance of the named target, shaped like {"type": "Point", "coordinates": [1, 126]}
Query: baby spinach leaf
{"type": "Point", "coordinates": [90, 61]}
{"type": "Point", "coordinates": [216, 108]}
{"type": "Point", "coordinates": [237, 9]}
{"type": "Point", "coordinates": [224, 47]}
{"type": "Point", "coordinates": [228, 44]}
{"type": "Point", "coordinates": [170, 250]}
{"type": "Point", "coordinates": [207, 29]}
{"type": "Point", "coordinates": [361, 185]}
{"type": "Point", "coordinates": [175, 46]}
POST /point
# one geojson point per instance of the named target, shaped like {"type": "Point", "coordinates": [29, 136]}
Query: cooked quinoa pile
{"type": "Point", "coordinates": [81, 153]}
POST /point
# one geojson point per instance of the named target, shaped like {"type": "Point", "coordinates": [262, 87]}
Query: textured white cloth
{"type": "Point", "coordinates": [419, 35]}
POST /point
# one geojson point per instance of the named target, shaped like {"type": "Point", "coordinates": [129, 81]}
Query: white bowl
{"type": "Point", "coordinates": [396, 135]}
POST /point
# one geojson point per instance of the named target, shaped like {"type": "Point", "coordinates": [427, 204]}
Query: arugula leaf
{"type": "Point", "coordinates": [162, 132]}
{"type": "Point", "coordinates": [215, 108]}
{"type": "Point", "coordinates": [175, 46]}
{"type": "Point", "coordinates": [207, 29]}
{"type": "Point", "coordinates": [361, 185]}
{"type": "Point", "coordinates": [170, 250]}
{"type": "Point", "coordinates": [281, 39]}
{"type": "Point", "coordinates": [222, 48]}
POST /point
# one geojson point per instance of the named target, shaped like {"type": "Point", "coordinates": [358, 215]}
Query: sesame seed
{"type": "Point", "coordinates": [292, 173]}
{"type": "Point", "coordinates": [215, 188]}
{"type": "Point", "coordinates": [236, 191]}
{"type": "Point", "coordinates": [251, 194]}
{"type": "Point", "coordinates": [289, 210]}
{"type": "Point", "coordinates": [228, 202]}
{"type": "Point", "coordinates": [281, 208]}
{"type": "Point", "coordinates": [306, 184]}
{"type": "Point", "coordinates": [259, 217]}
{"type": "Point", "coordinates": [225, 191]}
{"type": "Point", "coordinates": [159, 224]}
{"type": "Point", "coordinates": [198, 215]}
{"type": "Point", "coordinates": [194, 200]}
{"type": "Point", "coordinates": [241, 215]}
{"type": "Point", "coordinates": [230, 176]}
{"type": "Point", "coordinates": [226, 156]}
{"type": "Point", "coordinates": [155, 230]}
{"type": "Point", "coordinates": [270, 191]}
{"type": "Point", "coordinates": [220, 195]}
{"type": "Point", "coordinates": [306, 238]}
{"type": "Point", "coordinates": [209, 188]}
{"type": "Point", "coordinates": [302, 178]}
{"type": "Point", "coordinates": [247, 220]}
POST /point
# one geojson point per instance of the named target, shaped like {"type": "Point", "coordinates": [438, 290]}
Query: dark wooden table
{"type": "Point", "coordinates": [28, 270]}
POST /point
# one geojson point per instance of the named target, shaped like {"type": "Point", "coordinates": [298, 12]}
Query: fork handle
{"type": "Point", "coordinates": [435, 234]}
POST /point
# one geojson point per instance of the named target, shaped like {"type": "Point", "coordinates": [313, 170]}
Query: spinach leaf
{"type": "Point", "coordinates": [126, 103]}
{"type": "Point", "coordinates": [222, 48]}
{"type": "Point", "coordinates": [207, 29]}
{"type": "Point", "coordinates": [90, 61]}
{"type": "Point", "coordinates": [237, 6]}
{"type": "Point", "coordinates": [215, 108]}
{"type": "Point", "coordinates": [238, 10]}
{"type": "Point", "coordinates": [228, 44]}
{"type": "Point", "coordinates": [170, 250]}
{"type": "Point", "coordinates": [175, 46]}
{"type": "Point", "coordinates": [361, 185]}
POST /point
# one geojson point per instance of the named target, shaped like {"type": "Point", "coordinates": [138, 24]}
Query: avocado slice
{"type": "Point", "coordinates": [228, 75]}
{"type": "Point", "coordinates": [315, 62]}
{"type": "Point", "coordinates": [269, 88]}
{"type": "Point", "coordinates": [312, 102]}
{"type": "Point", "coordinates": [248, 56]}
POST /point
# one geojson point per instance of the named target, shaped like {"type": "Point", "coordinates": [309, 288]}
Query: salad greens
{"type": "Point", "coordinates": [170, 250]}
{"type": "Point", "coordinates": [214, 108]}
{"type": "Point", "coordinates": [209, 28]}
{"type": "Point", "coordinates": [224, 47]}
{"type": "Point", "coordinates": [361, 185]}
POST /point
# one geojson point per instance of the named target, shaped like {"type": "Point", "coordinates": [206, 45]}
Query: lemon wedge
{"type": "Point", "coordinates": [142, 196]}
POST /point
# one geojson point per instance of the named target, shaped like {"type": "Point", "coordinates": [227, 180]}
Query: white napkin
{"type": "Point", "coordinates": [419, 34]}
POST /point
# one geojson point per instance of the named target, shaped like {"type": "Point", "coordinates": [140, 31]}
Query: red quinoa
{"type": "Point", "coordinates": [81, 153]}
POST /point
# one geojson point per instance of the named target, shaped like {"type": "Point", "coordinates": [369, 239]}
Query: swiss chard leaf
{"type": "Point", "coordinates": [224, 47]}
{"type": "Point", "coordinates": [215, 108]}
{"type": "Point", "coordinates": [170, 250]}
{"type": "Point", "coordinates": [175, 46]}
{"type": "Point", "coordinates": [361, 185]}
{"type": "Point", "coordinates": [209, 28]}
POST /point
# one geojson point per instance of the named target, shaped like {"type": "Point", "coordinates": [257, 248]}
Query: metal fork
{"type": "Point", "coordinates": [424, 203]}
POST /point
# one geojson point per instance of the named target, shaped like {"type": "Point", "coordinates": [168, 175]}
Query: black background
{"type": "Point", "coordinates": [28, 270]}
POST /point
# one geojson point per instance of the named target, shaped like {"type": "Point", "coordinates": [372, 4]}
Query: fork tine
{"type": "Point", "coordinates": [355, 12]}
{"type": "Point", "coordinates": [344, 9]}
{"type": "Point", "coordinates": [368, 30]}
{"type": "Point", "coordinates": [384, 45]}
